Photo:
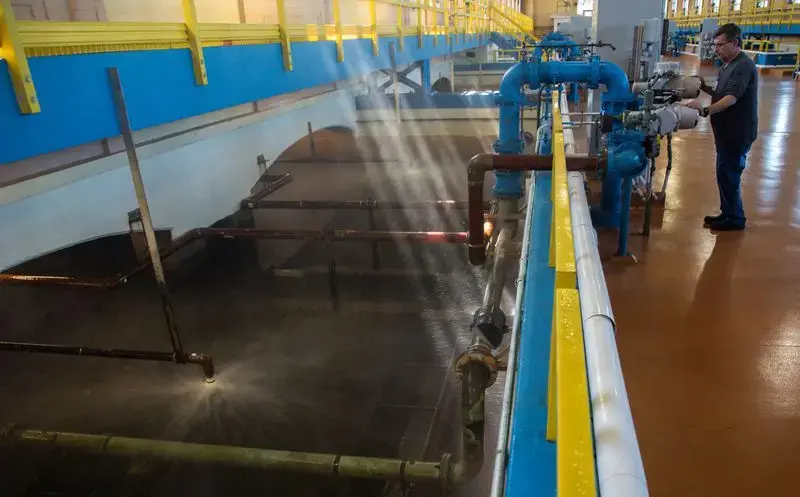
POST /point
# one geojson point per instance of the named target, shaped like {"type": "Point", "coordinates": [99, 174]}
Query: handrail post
{"type": "Point", "coordinates": [431, 4]}
{"type": "Point", "coordinates": [447, 39]}
{"type": "Point", "coordinates": [337, 21]}
{"type": "Point", "coordinates": [420, 11]}
{"type": "Point", "coordinates": [286, 46]}
{"type": "Point", "coordinates": [14, 53]}
{"type": "Point", "coordinates": [400, 12]}
{"type": "Point", "coordinates": [373, 20]}
{"type": "Point", "coordinates": [195, 44]}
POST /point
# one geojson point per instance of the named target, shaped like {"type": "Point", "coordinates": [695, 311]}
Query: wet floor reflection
{"type": "Point", "coordinates": [708, 325]}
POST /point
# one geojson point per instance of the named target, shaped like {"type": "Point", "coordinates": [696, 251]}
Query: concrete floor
{"type": "Point", "coordinates": [709, 330]}
{"type": "Point", "coordinates": [369, 379]}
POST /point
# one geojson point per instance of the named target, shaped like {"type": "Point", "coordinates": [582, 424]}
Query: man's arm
{"type": "Point", "coordinates": [705, 88]}
{"type": "Point", "coordinates": [721, 105]}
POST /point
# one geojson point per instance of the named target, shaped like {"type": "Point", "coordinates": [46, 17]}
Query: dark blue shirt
{"type": "Point", "coordinates": [736, 127]}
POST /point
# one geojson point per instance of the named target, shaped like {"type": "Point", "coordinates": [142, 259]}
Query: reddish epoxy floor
{"type": "Point", "coordinates": [709, 324]}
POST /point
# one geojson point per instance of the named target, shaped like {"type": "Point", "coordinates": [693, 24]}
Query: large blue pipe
{"type": "Point", "coordinates": [535, 74]}
{"type": "Point", "coordinates": [567, 47]}
{"type": "Point", "coordinates": [625, 157]}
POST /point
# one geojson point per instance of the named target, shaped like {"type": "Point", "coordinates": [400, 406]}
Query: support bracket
{"type": "Point", "coordinates": [195, 44]}
{"type": "Point", "coordinates": [337, 22]}
{"type": "Point", "coordinates": [13, 52]}
{"type": "Point", "coordinates": [373, 21]}
{"type": "Point", "coordinates": [402, 77]}
{"type": "Point", "coordinates": [286, 46]}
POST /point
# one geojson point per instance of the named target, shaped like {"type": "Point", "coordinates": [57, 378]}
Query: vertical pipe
{"type": "Point", "coordinates": [425, 75]}
{"type": "Point", "coordinates": [144, 209]}
{"type": "Point", "coordinates": [311, 144]}
{"type": "Point", "coordinates": [625, 216]}
{"type": "Point", "coordinates": [648, 208]}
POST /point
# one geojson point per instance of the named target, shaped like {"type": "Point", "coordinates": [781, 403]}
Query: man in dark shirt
{"type": "Point", "coordinates": [734, 119]}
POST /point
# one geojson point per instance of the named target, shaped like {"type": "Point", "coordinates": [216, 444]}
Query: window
{"type": "Point", "coordinates": [715, 6]}
{"type": "Point", "coordinates": [698, 6]}
{"type": "Point", "coordinates": [762, 4]}
{"type": "Point", "coordinates": [736, 5]}
{"type": "Point", "coordinates": [585, 7]}
{"type": "Point", "coordinates": [686, 7]}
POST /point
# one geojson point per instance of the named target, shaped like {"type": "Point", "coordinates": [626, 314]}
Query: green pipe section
{"type": "Point", "coordinates": [279, 460]}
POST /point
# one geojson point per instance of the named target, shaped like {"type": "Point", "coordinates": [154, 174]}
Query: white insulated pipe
{"type": "Point", "coordinates": [504, 430]}
{"type": "Point", "coordinates": [620, 472]}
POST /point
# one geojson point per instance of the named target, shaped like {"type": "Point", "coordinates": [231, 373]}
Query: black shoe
{"type": "Point", "coordinates": [727, 224]}
{"type": "Point", "coordinates": [713, 219]}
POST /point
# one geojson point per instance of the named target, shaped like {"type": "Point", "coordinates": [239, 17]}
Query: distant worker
{"type": "Point", "coordinates": [734, 119]}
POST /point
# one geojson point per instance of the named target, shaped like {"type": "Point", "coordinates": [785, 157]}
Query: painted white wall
{"type": "Point", "coordinates": [192, 180]}
{"type": "Point", "coordinates": [613, 22]}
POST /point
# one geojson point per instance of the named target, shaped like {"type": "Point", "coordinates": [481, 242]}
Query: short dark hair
{"type": "Point", "coordinates": [731, 32]}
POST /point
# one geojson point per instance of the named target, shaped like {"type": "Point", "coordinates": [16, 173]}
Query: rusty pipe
{"type": "Point", "coordinates": [402, 470]}
{"type": "Point", "coordinates": [197, 233]}
{"type": "Point", "coordinates": [476, 172]}
{"type": "Point", "coordinates": [205, 362]}
{"type": "Point", "coordinates": [359, 204]}
{"type": "Point", "coordinates": [334, 235]}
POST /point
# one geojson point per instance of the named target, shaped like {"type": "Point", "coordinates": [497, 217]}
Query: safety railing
{"type": "Point", "coordinates": [449, 18]}
{"type": "Point", "coordinates": [785, 15]}
{"type": "Point", "coordinates": [568, 410]}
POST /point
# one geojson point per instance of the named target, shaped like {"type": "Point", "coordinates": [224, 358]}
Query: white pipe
{"type": "Point", "coordinates": [620, 472]}
{"type": "Point", "coordinates": [569, 136]}
{"type": "Point", "coordinates": [501, 449]}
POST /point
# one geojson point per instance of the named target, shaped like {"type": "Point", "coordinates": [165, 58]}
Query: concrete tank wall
{"type": "Point", "coordinates": [192, 180]}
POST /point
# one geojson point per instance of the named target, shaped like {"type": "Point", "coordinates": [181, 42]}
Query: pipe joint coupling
{"type": "Point", "coordinates": [490, 323]}
{"type": "Point", "coordinates": [481, 354]}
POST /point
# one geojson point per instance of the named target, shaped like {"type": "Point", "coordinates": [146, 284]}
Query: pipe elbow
{"type": "Point", "coordinates": [616, 81]}
{"type": "Point", "coordinates": [511, 84]}
{"type": "Point", "coordinates": [627, 160]}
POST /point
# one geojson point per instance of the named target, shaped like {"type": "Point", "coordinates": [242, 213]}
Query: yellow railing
{"type": "Point", "coordinates": [20, 40]}
{"type": "Point", "coordinates": [568, 414]}
{"type": "Point", "coordinates": [784, 15]}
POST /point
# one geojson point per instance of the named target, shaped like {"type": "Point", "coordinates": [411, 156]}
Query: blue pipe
{"type": "Point", "coordinates": [566, 47]}
{"type": "Point", "coordinates": [510, 99]}
{"type": "Point", "coordinates": [625, 147]}
{"type": "Point", "coordinates": [624, 225]}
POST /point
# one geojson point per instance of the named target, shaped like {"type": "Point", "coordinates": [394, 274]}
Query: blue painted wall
{"type": "Point", "coordinates": [159, 86]}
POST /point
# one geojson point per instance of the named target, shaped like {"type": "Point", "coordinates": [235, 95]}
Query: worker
{"type": "Point", "coordinates": [734, 120]}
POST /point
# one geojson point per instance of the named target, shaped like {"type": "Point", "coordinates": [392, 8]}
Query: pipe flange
{"type": "Point", "coordinates": [480, 354]}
